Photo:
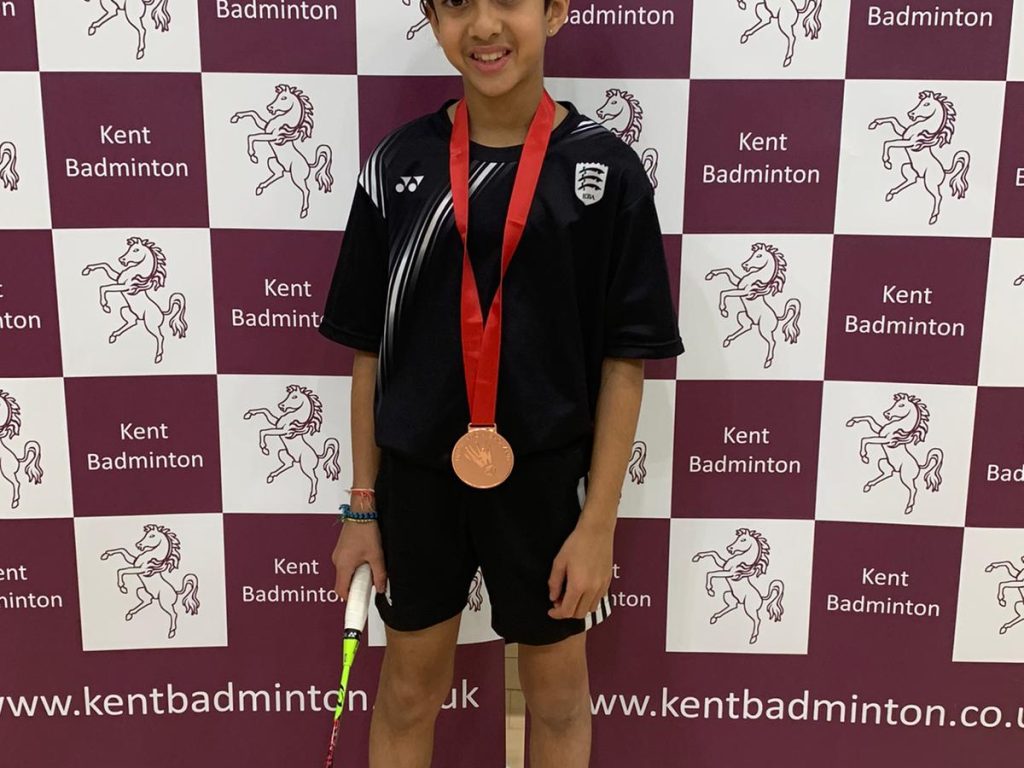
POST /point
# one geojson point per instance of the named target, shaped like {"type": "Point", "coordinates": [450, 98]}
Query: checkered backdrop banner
{"type": "Point", "coordinates": [820, 549]}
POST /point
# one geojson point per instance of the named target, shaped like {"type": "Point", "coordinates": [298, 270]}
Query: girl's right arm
{"type": "Point", "coordinates": [360, 543]}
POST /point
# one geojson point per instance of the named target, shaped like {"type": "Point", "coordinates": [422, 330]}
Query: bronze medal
{"type": "Point", "coordinates": [482, 458]}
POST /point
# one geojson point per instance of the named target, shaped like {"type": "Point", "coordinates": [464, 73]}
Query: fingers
{"type": "Point", "coordinates": [380, 574]}
{"type": "Point", "coordinates": [556, 579]}
{"type": "Point", "coordinates": [343, 581]}
{"type": "Point", "coordinates": [568, 606]}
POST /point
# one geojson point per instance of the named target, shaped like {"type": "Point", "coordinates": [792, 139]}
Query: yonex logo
{"type": "Point", "coordinates": [408, 183]}
{"type": "Point", "coordinates": [590, 182]}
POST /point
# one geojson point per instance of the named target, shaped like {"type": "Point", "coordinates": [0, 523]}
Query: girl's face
{"type": "Point", "coordinates": [496, 44]}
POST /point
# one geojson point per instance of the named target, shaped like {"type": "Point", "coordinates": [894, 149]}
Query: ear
{"type": "Point", "coordinates": [557, 14]}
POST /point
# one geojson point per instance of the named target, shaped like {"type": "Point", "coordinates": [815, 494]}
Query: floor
{"type": "Point", "coordinates": [515, 708]}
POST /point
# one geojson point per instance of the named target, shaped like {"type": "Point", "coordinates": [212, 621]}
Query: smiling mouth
{"type": "Point", "coordinates": [489, 58]}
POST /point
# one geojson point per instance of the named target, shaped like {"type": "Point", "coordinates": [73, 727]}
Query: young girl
{"type": "Point", "coordinates": [501, 279]}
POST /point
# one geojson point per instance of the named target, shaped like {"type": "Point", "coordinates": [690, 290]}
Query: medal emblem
{"type": "Point", "coordinates": [482, 458]}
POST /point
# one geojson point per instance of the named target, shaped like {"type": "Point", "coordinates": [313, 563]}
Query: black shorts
{"type": "Point", "coordinates": [436, 532]}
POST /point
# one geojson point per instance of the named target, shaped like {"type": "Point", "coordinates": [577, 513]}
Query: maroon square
{"type": "Point", "coordinates": [159, 436]}
{"type": "Point", "coordinates": [762, 156]}
{"type": "Point", "coordinates": [746, 449]}
{"type": "Point", "coordinates": [37, 558]}
{"type": "Point", "coordinates": [387, 102]}
{"type": "Point", "coordinates": [1009, 213]}
{"type": "Point", "coordinates": [995, 494]}
{"type": "Point", "coordinates": [609, 38]}
{"type": "Point", "coordinates": [318, 37]}
{"type": "Point", "coordinates": [885, 563]}
{"type": "Point", "coordinates": [895, 39]}
{"type": "Point", "coordinates": [18, 36]}
{"type": "Point", "coordinates": [29, 323]}
{"type": "Point", "coordinates": [906, 309]}
{"type": "Point", "coordinates": [666, 369]}
{"type": "Point", "coordinates": [270, 288]}
{"type": "Point", "coordinates": [144, 131]}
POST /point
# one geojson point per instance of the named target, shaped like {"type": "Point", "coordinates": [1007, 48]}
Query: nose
{"type": "Point", "coordinates": [485, 23]}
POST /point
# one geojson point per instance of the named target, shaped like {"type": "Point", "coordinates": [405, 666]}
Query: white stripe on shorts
{"type": "Point", "coordinates": [604, 608]}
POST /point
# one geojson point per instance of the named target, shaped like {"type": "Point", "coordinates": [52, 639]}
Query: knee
{"type": "Point", "coordinates": [558, 703]}
{"type": "Point", "coordinates": [412, 697]}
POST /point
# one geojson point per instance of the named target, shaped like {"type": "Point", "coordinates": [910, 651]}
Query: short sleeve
{"type": "Point", "coordinates": [354, 311]}
{"type": "Point", "coordinates": [640, 320]}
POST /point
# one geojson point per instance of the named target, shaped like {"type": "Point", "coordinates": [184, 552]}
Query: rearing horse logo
{"type": "Point", "coordinates": [415, 28]}
{"type": "Point", "coordinates": [135, 14]}
{"type": "Point", "coordinates": [301, 416]}
{"type": "Point", "coordinates": [623, 115]}
{"type": "Point", "coordinates": [764, 274]}
{"type": "Point", "coordinates": [785, 14]}
{"type": "Point", "coordinates": [159, 554]}
{"type": "Point", "coordinates": [8, 173]}
{"type": "Point", "coordinates": [290, 120]}
{"type": "Point", "coordinates": [933, 122]}
{"type": "Point", "coordinates": [10, 462]}
{"type": "Point", "coordinates": [906, 424]}
{"type": "Point", "coordinates": [748, 559]}
{"type": "Point", "coordinates": [1016, 585]}
{"type": "Point", "coordinates": [145, 270]}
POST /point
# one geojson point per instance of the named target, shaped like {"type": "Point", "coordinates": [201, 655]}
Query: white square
{"type": "Point", "coordinates": [24, 184]}
{"type": "Point", "coordinates": [739, 586]}
{"type": "Point", "coordinates": [35, 471]}
{"type": "Point", "coordinates": [992, 568]}
{"type": "Point", "coordinates": [305, 182]}
{"type": "Point", "coordinates": [285, 442]}
{"type": "Point", "coordinates": [918, 456]}
{"type": "Point", "coordinates": [152, 581]}
{"type": "Point", "coordinates": [647, 489]}
{"type": "Point", "coordinates": [959, 124]}
{"type": "Point", "coordinates": [744, 40]}
{"type": "Point", "coordinates": [775, 291]}
{"type": "Point", "coordinates": [649, 116]}
{"type": "Point", "coordinates": [1002, 338]}
{"type": "Point", "coordinates": [395, 39]}
{"type": "Point", "coordinates": [101, 37]}
{"type": "Point", "coordinates": [157, 286]}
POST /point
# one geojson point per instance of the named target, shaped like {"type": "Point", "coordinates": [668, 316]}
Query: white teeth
{"type": "Point", "coordinates": [489, 56]}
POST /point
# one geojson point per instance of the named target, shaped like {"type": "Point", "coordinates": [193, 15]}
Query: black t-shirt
{"type": "Point", "coordinates": [588, 281]}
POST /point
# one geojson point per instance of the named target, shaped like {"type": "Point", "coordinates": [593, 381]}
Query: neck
{"type": "Point", "coordinates": [503, 120]}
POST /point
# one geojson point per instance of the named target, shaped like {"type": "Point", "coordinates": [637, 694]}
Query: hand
{"type": "Point", "coordinates": [584, 565]}
{"type": "Point", "coordinates": [358, 543]}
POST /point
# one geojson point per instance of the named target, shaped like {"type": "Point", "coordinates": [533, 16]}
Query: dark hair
{"type": "Point", "coordinates": [429, 4]}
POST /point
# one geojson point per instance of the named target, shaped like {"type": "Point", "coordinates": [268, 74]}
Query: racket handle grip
{"type": "Point", "coordinates": [357, 605]}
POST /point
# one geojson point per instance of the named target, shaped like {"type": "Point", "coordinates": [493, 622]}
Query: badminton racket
{"type": "Point", "coordinates": [357, 605]}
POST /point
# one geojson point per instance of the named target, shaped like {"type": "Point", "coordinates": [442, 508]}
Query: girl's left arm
{"type": "Point", "coordinates": [584, 563]}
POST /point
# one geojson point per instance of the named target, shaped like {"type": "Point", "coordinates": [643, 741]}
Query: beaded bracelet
{"type": "Point", "coordinates": [356, 517]}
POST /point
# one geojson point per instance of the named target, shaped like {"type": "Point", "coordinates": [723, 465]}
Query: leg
{"type": "Point", "coordinates": [415, 680]}
{"type": "Point", "coordinates": [764, 18]}
{"type": "Point", "coordinates": [130, 321]}
{"type": "Point", "coordinates": [745, 324]}
{"type": "Point", "coordinates": [276, 173]}
{"type": "Point", "coordinates": [556, 685]}
{"type": "Point", "coordinates": [731, 604]}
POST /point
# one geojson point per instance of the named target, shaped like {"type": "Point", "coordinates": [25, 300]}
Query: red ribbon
{"type": "Point", "coordinates": [481, 344]}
